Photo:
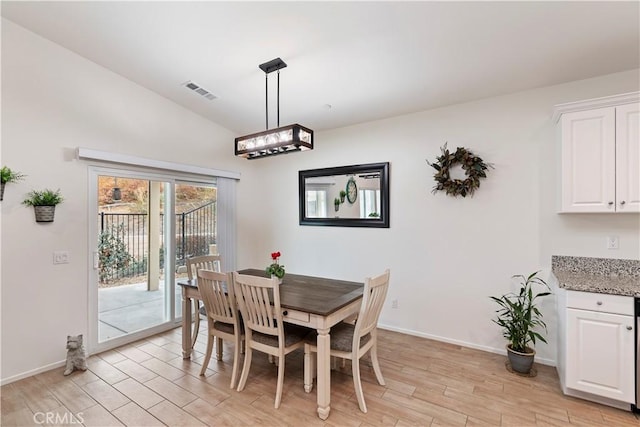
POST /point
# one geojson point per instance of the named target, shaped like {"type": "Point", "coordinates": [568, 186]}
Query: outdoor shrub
{"type": "Point", "coordinates": [112, 253]}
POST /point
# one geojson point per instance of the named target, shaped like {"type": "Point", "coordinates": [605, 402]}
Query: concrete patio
{"type": "Point", "coordinates": [129, 308]}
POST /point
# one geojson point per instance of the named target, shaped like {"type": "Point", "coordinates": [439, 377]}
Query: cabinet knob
{"type": "Point", "coordinates": [599, 303]}
{"type": "Point", "coordinates": [610, 203]}
{"type": "Point", "coordinates": [284, 313]}
{"type": "Point", "coordinates": [622, 202]}
{"type": "Point", "coordinates": [629, 328]}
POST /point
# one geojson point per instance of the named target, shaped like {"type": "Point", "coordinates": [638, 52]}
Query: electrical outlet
{"type": "Point", "coordinates": [613, 242]}
{"type": "Point", "coordinates": [61, 257]}
{"type": "Point", "coordinates": [394, 303]}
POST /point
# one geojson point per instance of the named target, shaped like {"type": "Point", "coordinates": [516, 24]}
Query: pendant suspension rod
{"type": "Point", "coordinates": [278, 99]}
{"type": "Point", "coordinates": [266, 101]}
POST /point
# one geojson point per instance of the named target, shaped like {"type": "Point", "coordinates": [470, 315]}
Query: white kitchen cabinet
{"type": "Point", "coordinates": [628, 158]}
{"type": "Point", "coordinates": [596, 348]}
{"type": "Point", "coordinates": [600, 166]}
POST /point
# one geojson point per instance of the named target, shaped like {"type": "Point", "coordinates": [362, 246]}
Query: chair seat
{"type": "Point", "coordinates": [292, 334]}
{"type": "Point", "coordinates": [341, 337]}
{"type": "Point", "coordinates": [223, 327]}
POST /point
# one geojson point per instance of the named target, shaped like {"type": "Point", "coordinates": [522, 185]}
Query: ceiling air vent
{"type": "Point", "coordinates": [200, 90]}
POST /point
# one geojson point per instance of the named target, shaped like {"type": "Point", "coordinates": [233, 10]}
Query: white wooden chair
{"type": "Point", "coordinates": [352, 341]}
{"type": "Point", "coordinates": [206, 262]}
{"type": "Point", "coordinates": [223, 319]}
{"type": "Point", "coordinates": [265, 330]}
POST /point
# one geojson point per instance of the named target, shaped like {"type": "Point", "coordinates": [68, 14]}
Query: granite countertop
{"type": "Point", "coordinates": [599, 275]}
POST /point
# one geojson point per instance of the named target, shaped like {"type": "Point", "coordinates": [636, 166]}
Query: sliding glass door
{"type": "Point", "coordinates": [144, 226]}
{"type": "Point", "coordinates": [196, 224]}
{"type": "Point", "coordinates": [131, 250]}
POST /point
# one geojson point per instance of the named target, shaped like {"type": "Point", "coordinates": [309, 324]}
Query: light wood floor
{"type": "Point", "coordinates": [428, 383]}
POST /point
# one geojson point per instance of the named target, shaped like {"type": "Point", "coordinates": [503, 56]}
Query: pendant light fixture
{"type": "Point", "coordinates": [281, 140]}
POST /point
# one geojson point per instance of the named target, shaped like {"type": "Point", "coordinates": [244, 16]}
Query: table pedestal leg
{"type": "Point", "coordinates": [186, 326]}
{"type": "Point", "coordinates": [324, 373]}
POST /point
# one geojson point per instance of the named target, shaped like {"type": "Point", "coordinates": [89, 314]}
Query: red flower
{"type": "Point", "coordinates": [275, 255]}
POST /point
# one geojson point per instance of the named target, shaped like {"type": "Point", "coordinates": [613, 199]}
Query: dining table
{"type": "Point", "coordinates": [314, 302]}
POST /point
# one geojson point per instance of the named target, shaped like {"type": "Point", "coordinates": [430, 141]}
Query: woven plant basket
{"type": "Point", "coordinates": [44, 213]}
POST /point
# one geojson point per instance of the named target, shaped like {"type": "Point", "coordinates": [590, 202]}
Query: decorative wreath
{"type": "Point", "coordinates": [473, 166]}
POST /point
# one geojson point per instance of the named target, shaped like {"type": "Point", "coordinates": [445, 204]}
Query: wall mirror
{"type": "Point", "coordinates": [345, 196]}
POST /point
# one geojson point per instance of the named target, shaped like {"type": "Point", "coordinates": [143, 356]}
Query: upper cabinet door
{"type": "Point", "coordinates": [628, 158]}
{"type": "Point", "coordinates": [588, 161]}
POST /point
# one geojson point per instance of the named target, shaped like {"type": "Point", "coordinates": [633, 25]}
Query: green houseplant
{"type": "Point", "coordinates": [336, 204]}
{"type": "Point", "coordinates": [6, 176]}
{"type": "Point", "coordinates": [44, 203]}
{"type": "Point", "coordinates": [519, 318]}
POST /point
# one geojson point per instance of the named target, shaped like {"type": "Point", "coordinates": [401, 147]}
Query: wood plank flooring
{"type": "Point", "coordinates": [428, 383]}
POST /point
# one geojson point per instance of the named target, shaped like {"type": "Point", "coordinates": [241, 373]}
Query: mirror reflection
{"type": "Point", "coordinates": [346, 196]}
{"type": "Point", "coordinates": [343, 196]}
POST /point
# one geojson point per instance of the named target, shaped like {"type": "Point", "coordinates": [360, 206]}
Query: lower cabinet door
{"type": "Point", "coordinates": [600, 354]}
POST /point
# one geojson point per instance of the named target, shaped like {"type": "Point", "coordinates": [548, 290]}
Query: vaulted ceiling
{"type": "Point", "coordinates": [348, 62]}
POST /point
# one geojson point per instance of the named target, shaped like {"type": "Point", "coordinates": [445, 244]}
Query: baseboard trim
{"type": "Point", "coordinates": [503, 351]}
{"type": "Point", "coordinates": [23, 375]}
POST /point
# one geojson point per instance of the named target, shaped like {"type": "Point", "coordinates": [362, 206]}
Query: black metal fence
{"type": "Point", "coordinates": [124, 240]}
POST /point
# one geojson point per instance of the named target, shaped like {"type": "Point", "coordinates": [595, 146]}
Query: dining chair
{"type": "Point", "coordinates": [265, 331]}
{"type": "Point", "coordinates": [223, 320]}
{"type": "Point", "coordinates": [352, 341]}
{"type": "Point", "coordinates": [207, 262]}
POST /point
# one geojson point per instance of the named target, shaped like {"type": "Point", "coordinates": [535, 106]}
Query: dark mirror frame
{"type": "Point", "coordinates": [382, 222]}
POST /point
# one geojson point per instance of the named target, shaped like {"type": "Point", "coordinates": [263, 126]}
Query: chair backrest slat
{"type": "Point", "coordinates": [205, 262]}
{"type": "Point", "coordinates": [375, 292]}
{"type": "Point", "coordinates": [259, 301]}
{"type": "Point", "coordinates": [217, 293]}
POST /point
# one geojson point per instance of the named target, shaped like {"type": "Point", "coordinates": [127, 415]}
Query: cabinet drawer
{"type": "Point", "coordinates": [616, 304]}
{"type": "Point", "coordinates": [295, 316]}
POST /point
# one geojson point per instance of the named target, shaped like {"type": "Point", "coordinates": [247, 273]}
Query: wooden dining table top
{"type": "Point", "coordinates": [315, 295]}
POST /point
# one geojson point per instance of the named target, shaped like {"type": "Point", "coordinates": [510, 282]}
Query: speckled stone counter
{"type": "Point", "coordinates": [599, 275]}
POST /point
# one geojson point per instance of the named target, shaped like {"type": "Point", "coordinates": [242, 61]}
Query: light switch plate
{"type": "Point", "coordinates": [613, 242]}
{"type": "Point", "coordinates": [61, 257]}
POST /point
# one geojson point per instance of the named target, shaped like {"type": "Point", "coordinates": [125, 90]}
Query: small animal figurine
{"type": "Point", "coordinates": [76, 357]}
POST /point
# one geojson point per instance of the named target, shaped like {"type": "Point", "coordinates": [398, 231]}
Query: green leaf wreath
{"type": "Point", "coordinates": [474, 168]}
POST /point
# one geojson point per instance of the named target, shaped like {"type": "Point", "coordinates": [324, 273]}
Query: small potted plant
{"type": "Point", "coordinates": [275, 268]}
{"type": "Point", "coordinates": [343, 194]}
{"type": "Point", "coordinates": [7, 176]}
{"type": "Point", "coordinates": [519, 316]}
{"type": "Point", "coordinates": [44, 203]}
{"type": "Point", "coordinates": [336, 203]}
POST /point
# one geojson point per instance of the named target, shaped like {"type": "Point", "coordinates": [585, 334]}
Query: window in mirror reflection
{"type": "Point", "coordinates": [316, 202]}
{"type": "Point", "coordinates": [369, 203]}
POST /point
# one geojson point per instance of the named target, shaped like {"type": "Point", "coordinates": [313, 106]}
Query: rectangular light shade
{"type": "Point", "coordinates": [282, 140]}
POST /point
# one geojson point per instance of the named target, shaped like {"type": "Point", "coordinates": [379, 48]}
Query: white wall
{"type": "Point", "coordinates": [52, 102]}
{"type": "Point", "coordinates": [446, 255]}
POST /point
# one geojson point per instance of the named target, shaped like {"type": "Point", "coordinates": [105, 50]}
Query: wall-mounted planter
{"type": "Point", "coordinates": [44, 213]}
{"type": "Point", "coordinates": [7, 175]}
{"type": "Point", "coordinates": [44, 203]}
